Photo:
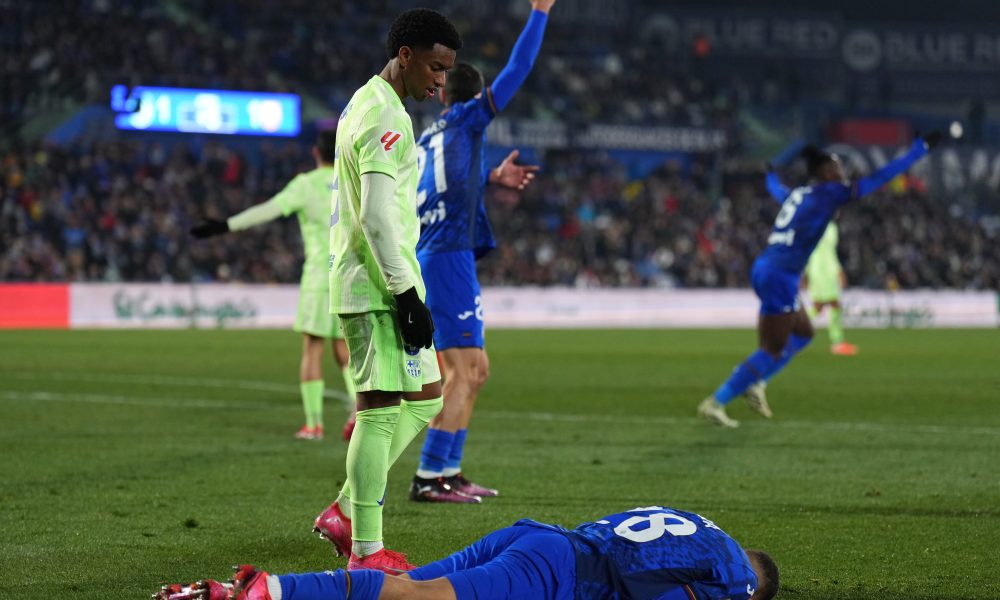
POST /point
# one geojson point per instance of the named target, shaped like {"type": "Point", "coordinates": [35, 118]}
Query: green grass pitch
{"type": "Point", "coordinates": [133, 458]}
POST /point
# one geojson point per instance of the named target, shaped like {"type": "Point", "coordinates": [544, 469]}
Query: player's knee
{"type": "Point", "coordinates": [479, 378]}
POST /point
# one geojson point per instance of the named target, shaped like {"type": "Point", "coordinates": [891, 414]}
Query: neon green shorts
{"type": "Point", "coordinates": [314, 315]}
{"type": "Point", "coordinates": [824, 289]}
{"type": "Point", "coordinates": [378, 360]}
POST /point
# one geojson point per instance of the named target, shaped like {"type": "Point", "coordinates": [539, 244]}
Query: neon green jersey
{"type": "Point", "coordinates": [308, 197]}
{"type": "Point", "coordinates": [374, 135]}
{"type": "Point", "coordinates": [823, 265]}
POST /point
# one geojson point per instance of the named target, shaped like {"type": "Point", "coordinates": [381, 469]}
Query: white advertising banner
{"type": "Point", "coordinates": [203, 306]}
{"type": "Point", "coordinates": [656, 308]}
{"type": "Point", "coordinates": [254, 306]}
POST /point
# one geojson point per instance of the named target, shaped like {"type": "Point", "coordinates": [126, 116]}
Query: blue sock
{"type": "Point", "coordinates": [332, 585]}
{"type": "Point", "coordinates": [436, 449]}
{"type": "Point", "coordinates": [457, 446]}
{"type": "Point", "coordinates": [755, 367]}
{"type": "Point", "coordinates": [794, 345]}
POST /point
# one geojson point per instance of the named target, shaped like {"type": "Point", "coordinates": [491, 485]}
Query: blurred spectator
{"type": "Point", "coordinates": [120, 212]}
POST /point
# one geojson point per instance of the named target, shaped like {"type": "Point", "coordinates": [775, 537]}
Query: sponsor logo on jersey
{"type": "Point", "coordinates": [432, 216]}
{"type": "Point", "coordinates": [465, 315]}
{"type": "Point", "coordinates": [389, 138]}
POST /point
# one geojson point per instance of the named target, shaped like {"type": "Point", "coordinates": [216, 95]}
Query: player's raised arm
{"type": "Point", "coordinates": [778, 190]}
{"type": "Point", "coordinates": [522, 57]}
{"type": "Point", "coordinates": [873, 181]}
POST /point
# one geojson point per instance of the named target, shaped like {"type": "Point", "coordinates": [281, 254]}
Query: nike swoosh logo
{"type": "Point", "coordinates": [409, 318]}
{"type": "Point", "coordinates": [465, 315]}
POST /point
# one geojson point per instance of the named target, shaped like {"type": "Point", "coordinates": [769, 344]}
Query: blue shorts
{"type": "Point", "coordinates": [777, 289]}
{"type": "Point", "coordinates": [453, 298]}
{"type": "Point", "coordinates": [521, 561]}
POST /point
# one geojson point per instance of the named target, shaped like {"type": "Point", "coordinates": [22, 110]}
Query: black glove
{"type": "Point", "coordinates": [209, 228]}
{"type": "Point", "coordinates": [414, 319]}
{"type": "Point", "coordinates": [933, 139]}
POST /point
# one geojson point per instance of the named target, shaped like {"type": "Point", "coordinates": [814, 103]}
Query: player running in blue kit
{"type": "Point", "coordinates": [783, 327]}
{"type": "Point", "coordinates": [645, 553]}
{"type": "Point", "coordinates": [455, 232]}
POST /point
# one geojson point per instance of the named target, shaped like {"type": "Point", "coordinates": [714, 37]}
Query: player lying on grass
{"type": "Point", "coordinates": [783, 327]}
{"type": "Point", "coordinates": [308, 197]}
{"type": "Point", "coordinates": [824, 278]}
{"type": "Point", "coordinates": [651, 552]}
{"type": "Point", "coordinates": [455, 232]}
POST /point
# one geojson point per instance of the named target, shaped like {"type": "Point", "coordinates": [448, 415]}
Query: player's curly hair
{"type": "Point", "coordinates": [767, 575]}
{"type": "Point", "coordinates": [421, 28]}
{"type": "Point", "coordinates": [326, 145]}
{"type": "Point", "coordinates": [815, 159]}
{"type": "Point", "coordinates": [464, 82]}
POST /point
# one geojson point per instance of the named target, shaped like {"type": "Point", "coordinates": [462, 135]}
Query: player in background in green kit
{"type": "Point", "coordinates": [308, 197]}
{"type": "Point", "coordinates": [375, 281]}
{"type": "Point", "coordinates": [824, 278]}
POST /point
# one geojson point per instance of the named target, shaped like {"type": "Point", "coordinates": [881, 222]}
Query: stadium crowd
{"type": "Point", "coordinates": [120, 211]}
{"type": "Point", "coordinates": [57, 54]}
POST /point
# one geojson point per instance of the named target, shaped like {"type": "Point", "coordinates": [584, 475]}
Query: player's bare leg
{"type": "Point", "coordinates": [342, 356]}
{"type": "Point", "coordinates": [311, 385]}
{"type": "Point", "coordinates": [473, 365]}
{"type": "Point", "coordinates": [465, 372]}
{"type": "Point", "coordinates": [404, 588]}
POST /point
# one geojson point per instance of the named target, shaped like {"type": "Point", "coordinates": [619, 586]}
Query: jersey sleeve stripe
{"type": "Point", "coordinates": [378, 167]}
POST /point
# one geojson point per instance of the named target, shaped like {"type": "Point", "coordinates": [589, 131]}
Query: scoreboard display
{"type": "Point", "coordinates": [187, 110]}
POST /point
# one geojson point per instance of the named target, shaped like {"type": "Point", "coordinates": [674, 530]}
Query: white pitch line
{"type": "Point", "coordinates": [827, 425]}
{"type": "Point", "coordinates": [131, 400]}
{"type": "Point", "coordinates": [167, 380]}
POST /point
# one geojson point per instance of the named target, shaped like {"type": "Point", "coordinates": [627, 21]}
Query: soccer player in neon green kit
{"type": "Point", "coordinates": [308, 197]}
{"type": "Point", "coordinates": [375, 281]}
{"type": "Point", "coordinates": [824, 278]}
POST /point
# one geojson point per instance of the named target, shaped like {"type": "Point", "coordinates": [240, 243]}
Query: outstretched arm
{"type": "Point", "coordinates": [874, 181]}
{"type": "Point", "coordinates": [775, 187]}
{"type": "Point", "coordinates": [778, 190]}
{"type": "Point", "coordinates": [255, 215]}
{"type": "Point", "coordinates": [522, 57]}
{"type": "Point", "coordinates": [283, 204]}
{"type": "Point", "coordinates": [512, 175]}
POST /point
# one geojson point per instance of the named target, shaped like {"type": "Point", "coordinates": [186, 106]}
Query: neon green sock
{"type": "Point", "coordinates": [413, 417]}
{"type": "Point", "coordinates": [367, 469]}
{"type": "Point", "coordinates": [312, 401]}
{"type": "Point", "coordinates": [836, 327]}
{"type": "Point", "coordinates": [352, 399]}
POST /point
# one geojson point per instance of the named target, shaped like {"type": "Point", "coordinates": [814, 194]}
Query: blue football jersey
{"type": "Point", "coordinates": [801, 222]}
{"type": "Point", "coordinates": [658, 553]}
{"type": "Point", "coordinates": [451, 161]}
{"type": "Point", "coordinates": [806, 211]}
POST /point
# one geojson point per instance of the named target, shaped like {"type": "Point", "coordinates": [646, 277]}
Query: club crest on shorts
{"type": "Point", "coordinates": [413, 368]}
